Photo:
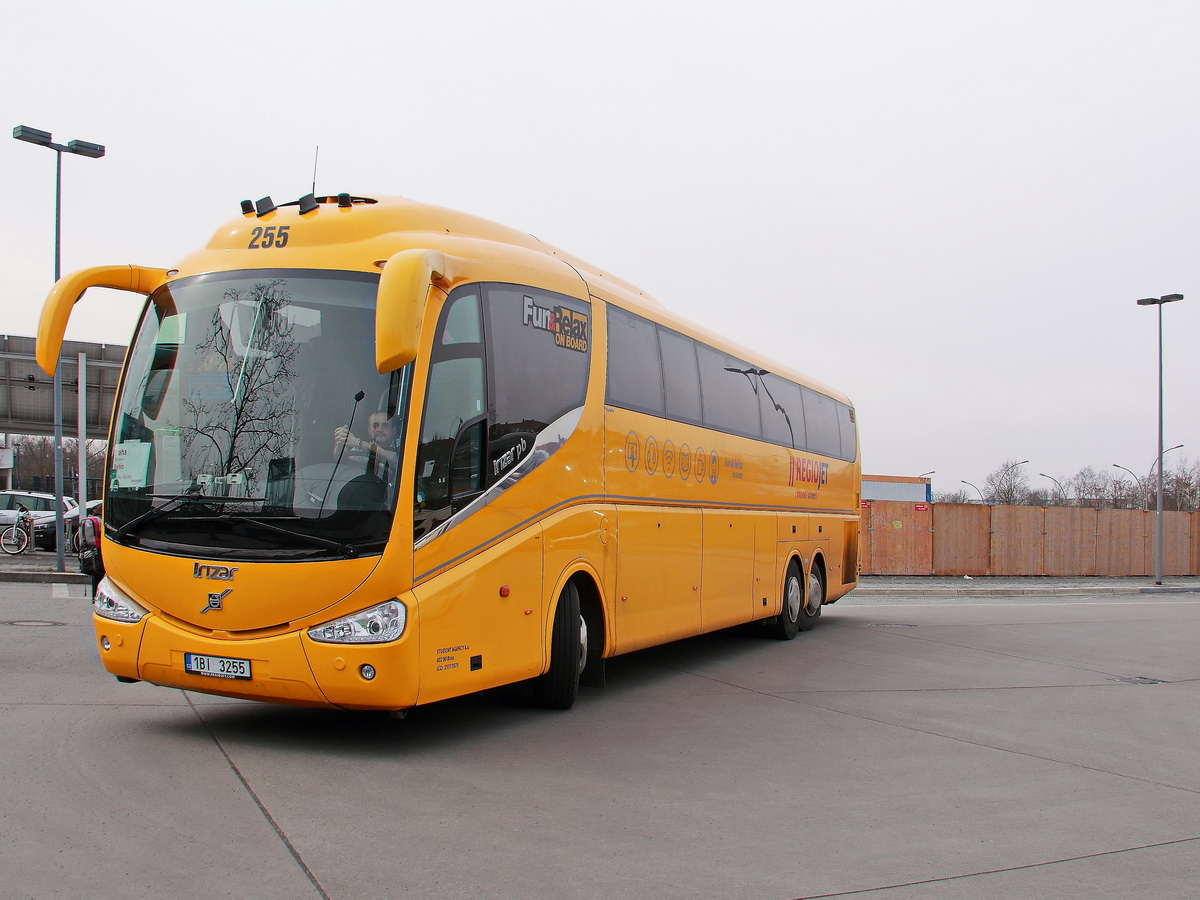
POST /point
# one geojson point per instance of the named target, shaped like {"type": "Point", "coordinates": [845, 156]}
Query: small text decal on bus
{"type": "Point", "coordinates": [570, 328]}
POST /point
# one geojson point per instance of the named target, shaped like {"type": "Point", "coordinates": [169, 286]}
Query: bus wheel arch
{"type": "Point", "coordinates": [576, 644]}
{"type": "Point", "coordinates": [591, 609]}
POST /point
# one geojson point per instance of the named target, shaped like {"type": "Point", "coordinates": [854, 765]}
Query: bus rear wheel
{"type": "Point", "coordinates": [558, 688]}
{"type": "Point", "coordinates": [811, 610]}
{"type": "Point", "coordinates": [787, 623]}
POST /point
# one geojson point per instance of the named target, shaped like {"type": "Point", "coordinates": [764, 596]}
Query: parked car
{"type": "Point", "coordinates": [41, 506]}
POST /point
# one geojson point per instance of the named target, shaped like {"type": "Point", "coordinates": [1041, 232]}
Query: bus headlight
{"type": "Point", "coordinates": [376, 625]}
{"type": "Point", "coordinates": [113, 603]}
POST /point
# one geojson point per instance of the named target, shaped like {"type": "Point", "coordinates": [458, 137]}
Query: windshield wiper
{"type": "Point", "coordinates": [346, 550]}
{"type": "Point", "coordinates": [174, 502]}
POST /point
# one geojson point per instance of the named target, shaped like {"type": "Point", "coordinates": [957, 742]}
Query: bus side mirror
{"type": "Point", "coordinates": [91, 531]}
{"type": "Point", "coordinates": [404, 287]}
{"type": "Point", "coordinates": [68, 290]}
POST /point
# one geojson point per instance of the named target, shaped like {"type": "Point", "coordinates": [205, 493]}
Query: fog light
{"type": "Point", "coordinates": [104, 642]}
{"type": "Point", "coordinates": [367, 671]}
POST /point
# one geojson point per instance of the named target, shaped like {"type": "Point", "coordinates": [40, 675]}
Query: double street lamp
{"type": "Point", "coordinates": [91, 151]}
{"type": "Point", "coordinates": [1158, 541]}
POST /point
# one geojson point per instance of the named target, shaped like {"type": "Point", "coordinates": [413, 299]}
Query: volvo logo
{"type": "Point", "coordinates": [214, 573]}
{"type": "Point", "coordinates": [214, 600]}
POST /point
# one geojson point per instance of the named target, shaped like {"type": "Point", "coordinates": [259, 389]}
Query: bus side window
{"type": "Point", "coordinates": [456, 396]}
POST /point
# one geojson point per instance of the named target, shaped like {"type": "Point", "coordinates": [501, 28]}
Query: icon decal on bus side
{"type": "Point", "coordinates": [698, 464]}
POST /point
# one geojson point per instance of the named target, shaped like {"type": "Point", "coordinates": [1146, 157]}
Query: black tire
{"type": "Point", "coordinates": [787, 623]}
{"type": "Point", "coordinates": [814, 599]}
{"type": "Point", "coordinates": [558, 688]}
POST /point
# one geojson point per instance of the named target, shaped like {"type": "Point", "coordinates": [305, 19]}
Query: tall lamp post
{"type": "Point", "coordinates": [1066, 501]}
{"type": "Point", "coordinates": [1004, 474]}
{"type": "Point", "coordinates": [91, 151]}
{"type": "Point", "coordinates": [1158, 531]}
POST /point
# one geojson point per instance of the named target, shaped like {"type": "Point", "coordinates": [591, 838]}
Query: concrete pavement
{"type": "Point", "coordinates": [911, 746]}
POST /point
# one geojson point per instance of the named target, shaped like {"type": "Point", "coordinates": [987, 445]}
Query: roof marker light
{"type": "Point", "coordinates": [264, 206]}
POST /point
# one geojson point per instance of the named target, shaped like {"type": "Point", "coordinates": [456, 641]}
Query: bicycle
{"type": "Point", "coordinates": [17, 537]}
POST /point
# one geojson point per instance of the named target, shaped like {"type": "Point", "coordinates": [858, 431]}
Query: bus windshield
{"type": "Point", "coordinates": [252, 421]}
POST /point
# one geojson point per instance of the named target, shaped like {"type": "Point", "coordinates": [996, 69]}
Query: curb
{"type": "Point", "coordinates": [954, 593]}
{"type": "Point", "coordinates": [30, 577]}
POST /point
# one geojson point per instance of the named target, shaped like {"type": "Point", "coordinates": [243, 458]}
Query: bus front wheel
{"type": "Point", "coordinates": [558, 688]}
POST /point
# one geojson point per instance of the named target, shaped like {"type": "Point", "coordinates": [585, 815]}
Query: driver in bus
{"type": "Point", "coordinates": [381, 445]}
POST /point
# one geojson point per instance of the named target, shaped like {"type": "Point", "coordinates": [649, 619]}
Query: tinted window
{"type": "Point", "coordinates": [821, 424]}
{"type": "Point", "coordinates": [456, 397]}
{"type": "Point", "coordinates": [846, 425]}
{"type": "Point", "coordinates": [539, 347]}
{"type": "Point", "coordinates": [782, 411]}
{"type": "Point", "coordinates": [634, 369]}
{"type": "Point", "coordinates": [730, 401]}
{"type": "Point", "coordinates": [681, 376]}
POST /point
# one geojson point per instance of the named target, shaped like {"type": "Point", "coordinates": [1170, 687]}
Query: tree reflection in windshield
{"type": "Point", "coordinates": [243, 413]}
{"type": "Point", "coordinates": [237, 384]}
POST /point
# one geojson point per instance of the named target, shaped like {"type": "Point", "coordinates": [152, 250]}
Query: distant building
{"type": "Point", "coordinates": [896, 487]}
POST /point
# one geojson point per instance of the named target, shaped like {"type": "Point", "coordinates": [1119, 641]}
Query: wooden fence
{"type": "Point", "coordinates": [904, 538]}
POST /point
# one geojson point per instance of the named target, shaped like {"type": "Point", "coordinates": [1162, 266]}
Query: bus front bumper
{"type": "Point", "coordinates": [287, 668]}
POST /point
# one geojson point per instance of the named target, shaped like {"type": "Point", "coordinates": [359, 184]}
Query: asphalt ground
{"type": "Point", "coordinates": [1019, 741]}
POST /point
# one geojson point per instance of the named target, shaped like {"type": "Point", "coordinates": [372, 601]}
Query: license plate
{"type": "Point", "coordinates": [216, 666]}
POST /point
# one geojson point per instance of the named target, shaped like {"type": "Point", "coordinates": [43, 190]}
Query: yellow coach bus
{"type": "Point", "coordinates": [369, 454]}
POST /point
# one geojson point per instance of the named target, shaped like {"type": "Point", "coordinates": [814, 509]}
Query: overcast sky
{"type": "Point", "coordinates": [945, 209]}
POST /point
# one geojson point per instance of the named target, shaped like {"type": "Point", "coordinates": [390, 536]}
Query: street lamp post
{"type": "Point", "coordinates": [1004, 474]}
{"type": "Point", "coordinates": [1158, 539]}
{"type": "Point", "coordinates": [91, 151]}
{"type": "Point", "coordinates": [1137, 483]}
{"type": "Point", "coordinates": [1066, 501]}
{"type": "Point", "coordinates": [977, 490]}
{"type": "Point", "coordinates": [1150, 473]}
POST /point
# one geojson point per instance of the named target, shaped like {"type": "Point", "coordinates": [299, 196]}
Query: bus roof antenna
{"type": "Point", "coordinates": [316, 156]}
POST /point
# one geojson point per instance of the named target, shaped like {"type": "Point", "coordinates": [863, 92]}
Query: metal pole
{"type": "Point", "coordinates": [1158, 540]}
{"type": "Point", "coordinates": [59, 557]}
{"type": "Point", "coordinates": [82, 491]}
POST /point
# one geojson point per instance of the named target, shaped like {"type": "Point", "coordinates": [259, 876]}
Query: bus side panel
{"type": "Point", "coordinates": [583, 539]}
{"type": "Point", "coordinates": [842, 560]}
{"type": "Point", "coordinates": [658, 575]}
{"type": "Point", "coordinates": [768, 568]}
{"type": "Point", "coordinates": [728, 585]}
{"type": "Point", "coordinates": [481, 619]}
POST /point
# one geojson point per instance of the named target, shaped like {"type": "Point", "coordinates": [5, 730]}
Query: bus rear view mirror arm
{"type": "Point", "coordinates": [66, 293]}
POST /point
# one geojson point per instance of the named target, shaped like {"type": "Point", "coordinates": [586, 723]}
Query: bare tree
{"type": "Point", "coordinates": [1042, 497]}
{"type": "Point", "coordinates": [1181, 486]}
{"type": "Point", "coordinates": [959, 496]}
{"type": "Point", "coordinates": [1094, 487]}
{"type": "Point", "coordinates": [35, 457]}
{"type": "Point", "coordinates": [238, 432]}
{"type": "Point", "coordinates": [1007, 484]}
